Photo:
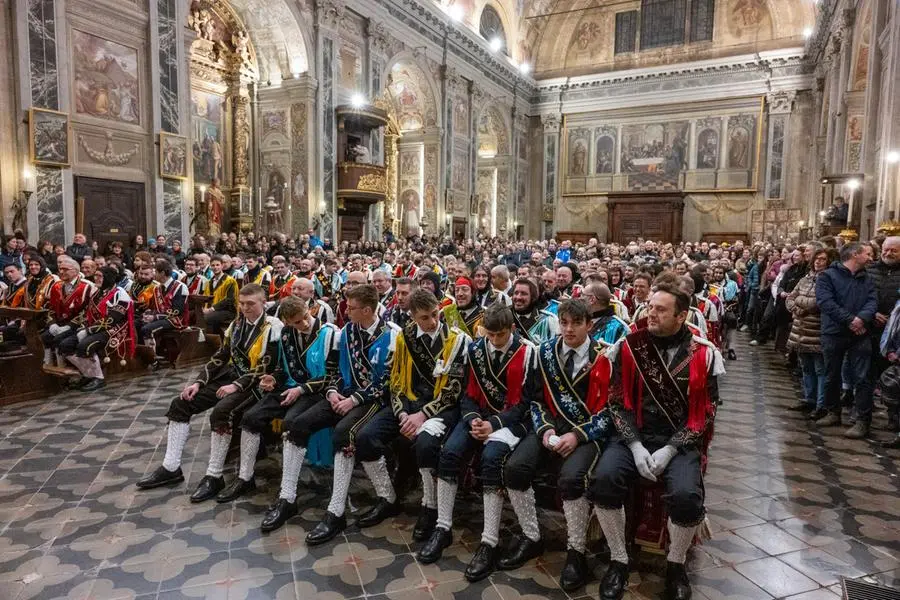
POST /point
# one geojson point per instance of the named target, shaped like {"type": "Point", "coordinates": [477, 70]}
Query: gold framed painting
{"type": "Point", "coordinates": [49, 137]}
{"type": "Point", "coordinates": [173, 151]}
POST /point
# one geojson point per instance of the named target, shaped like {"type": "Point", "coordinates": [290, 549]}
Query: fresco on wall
{"type": "Point", "coordinates": [579, 141]}
{"type": "Point", "coordinates": [861, 55]}
{"type": "Point", "coordinates": [106, 78]}
{"type": "Point", "coordinates": [460, 170]}
{"type": "Point", "coordinates": [708, 149]}
{"type": "Point", "coordinates": [207, 122]}
{"type": "Point", "coordinates": [741, 136]}
{"type": "Point", "coordinates": [656, 153]}
{"type": "Point", "coordinates": [749, 17]}
{"type": "Point", "coordinates": [274, 121]}
{"type": "Point", "coordinates": [605, 154]}
{"type": "Point", "coordinates": [412, 98]}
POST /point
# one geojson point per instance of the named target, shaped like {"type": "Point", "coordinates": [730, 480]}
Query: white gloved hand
{"type": "Point", "coordinates": [62, 330]}
{"type": "Point", "coordinates": [434, 427]}
{"type": "Point", "coordinates": [53, 329]}
{"type": "Point", "coordinates": [642, 460]}
{"type": "Point", "coordinates": [662, 457]}
{"type": "Point", "coordinates": [81, 334]}
{"type": "Point", "coordinates": [506, 436]}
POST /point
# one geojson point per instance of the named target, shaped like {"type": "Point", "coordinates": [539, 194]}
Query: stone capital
{"type": "Point", "coordinates": [780, 102]}
{"type": "Point", "coordinates": [329, 14]}
{"type": "Point", "coordinates": [551, 122]}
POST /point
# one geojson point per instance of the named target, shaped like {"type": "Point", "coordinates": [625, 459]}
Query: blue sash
{"type": "Point", "coordinates": [370, 365]}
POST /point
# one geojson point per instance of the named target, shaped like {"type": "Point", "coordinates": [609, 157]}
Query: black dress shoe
{"type": "Point", "coordinates": [482, 564]}
{"type": "Point", "coordinates": [425, 524]}
{"type": "Point", "coordinates": [278, 514]}
{"type": "Point", "coordinates": [326, 530]}
{"type": "Point", "coordinates": [678, 587]}
{"type": "Point", "coordinates": [893, 444]}
{"type": "Point", "coordinates": [521, 553]}
{"type": "Point", "coordinates": [614, 582]}
{"type": "Point", "coordinates": [575, 572]}
{"type": "Point", "coordinates": [732, 355]}
{"type": "Point", "coordinates": [434, 547]}
{"type": "Point", "coordinates": [817, 414]}
{"type": "Point", "coordinates": [160, 477]}
{"type": "Point", "coordinates": [378, 513]}
{"type": "Point", "coordinates": [236, 489]}
{"type": "Point", "coordinates": [79, 383]}
{"type": "Point", "coordinates": [208, 488]}
{"type": "Point", "coordinates": [93, 385]}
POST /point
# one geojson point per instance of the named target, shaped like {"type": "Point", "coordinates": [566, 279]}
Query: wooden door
{"type": "Point", "coordinates": [648, 216]}
{"type": "Point", "coordinates": [111, 211]}
{"type": "Point", "coordinates": [459, 228]}
{"type": "Point", "coordinates": [352, 228]}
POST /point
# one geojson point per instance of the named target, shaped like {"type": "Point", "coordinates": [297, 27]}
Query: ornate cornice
{"type": "Point", "coordinates": [329, 14]}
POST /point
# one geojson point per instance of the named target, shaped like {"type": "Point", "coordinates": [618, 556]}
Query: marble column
{"type": "Point", "coordinates": [328, 17]}
{"type": "Point", "coordinates": [11, 166]}
{"type": "Point", "coordinates": [779, 106]}
{"type": "Point", "coordinates": [550, 187]}
{"type": "Point", "coordinates": [888, 133]}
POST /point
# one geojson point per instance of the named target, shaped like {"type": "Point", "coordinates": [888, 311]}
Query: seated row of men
{"type": "Point", "coordinates": [599, 415]}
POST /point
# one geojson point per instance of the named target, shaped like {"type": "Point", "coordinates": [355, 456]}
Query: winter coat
{"type": "Point", "coordinates": [886, 279]}
{"type": "Point", "coordinates": [806, 329]}
{"type": "Point", "coordinates": [843, 296]}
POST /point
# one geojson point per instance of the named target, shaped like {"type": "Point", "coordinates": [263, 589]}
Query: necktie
{"type": "Point", "coordinates": [570, 364]}
{"type": "Point", "coordinates": [498, 355]}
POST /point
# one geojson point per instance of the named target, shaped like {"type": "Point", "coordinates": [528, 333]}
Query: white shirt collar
{"type": "Point", "coordinates": [371, 330]}
{"type": "Point", "coordinates": [580, 352]}
{"type": "Point", "coordinates": [431, 334]}
{"type": "Point", "coordinates": [502, 350]}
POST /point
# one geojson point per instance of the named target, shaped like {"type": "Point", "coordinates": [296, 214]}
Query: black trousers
{"type": "Point", "coordinates": [300, 427]}
{"type": "Point", "coordinates": [376, 437]}
{"type": "Point", "coordinates": [147, 330]}
{"type": "Point", "coordinates": [684, 495]}
{"type": "Point", "coordinates": [574, 470]}
{"type": "Point", "coordinates": [91, 344]}
{"type": "Point", "coordinates": [459, 444]}
{"type": "Point", "coordinates": [218, 320]}
{"type": "Point", "coordinates": [226, 412]}
{"type": "Point", "coordinates": [258, 419]}
{"type": "Point", "coordinates": [53, 341]}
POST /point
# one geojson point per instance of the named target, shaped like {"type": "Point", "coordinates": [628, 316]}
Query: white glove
{"type": "Point", "coordinates": [434, 426]}
{"type": "Point", "coordinates": [506, 436]}
{"type": "Point", "coordinates": [642, 460]}
{"type": "Point", "coordinates": [662, 457]}
{"type": "Point", "coordinates": [53, 329]}
{"type": "Point", "coordinates": [62, 330]}
{"type": "Point", "coordinates": [81, 334]}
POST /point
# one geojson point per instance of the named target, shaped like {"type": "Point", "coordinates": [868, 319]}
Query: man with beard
{"type": "Point", "coordinates": [606, 327]}
{"type": "Point", "coordinates": [228, 384]}
{"type": "Point", "coordinates": [381, 279]}
{"type": "Point", "coordinates": [885, 274]}
{"type": "Point", "coordinates": [569, 427]}
{"type": "Point", "coordinates": [404, 267]}
{"type": "Point", "coordinates": [224, 291]}
{"type": "Point", "coordinates": [143, 290]}
{"type": "Point", "coordinates": [68, 300]}
{"type": "Point", "coordinates": [466, 313]}
{"type": "Point", "coordinates": [194, 281]}
{"type": "Point", "coordinates": [662, 398]}
{"type": "Point", "coordinates": [107, 323]}
{"type": "Point", "coordinates": [308, 359]}
{"type": "Point", "coordinates": [431, 282]}
{"type": "Point", "coordinates": [399, 313]}
{"type": "Point", "coordinates": [533, 324]}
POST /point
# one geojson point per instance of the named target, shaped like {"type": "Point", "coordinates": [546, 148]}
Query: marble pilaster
{"type": "Point", "coordinates": [779, 105]}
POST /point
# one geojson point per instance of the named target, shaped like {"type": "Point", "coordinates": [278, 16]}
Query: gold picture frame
{"type": "Point", "coordinates": [173, 153]}
{"type": "Point", "coordinates": [49, 137]}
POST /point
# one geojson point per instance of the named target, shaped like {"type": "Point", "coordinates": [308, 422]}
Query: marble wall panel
{"type": "Point", "coordinates": [299, 166]}
{"type": "Point", "coordinates": [172, 207]}
{"type": "Point", "coordinates": [168, 65]}
{"type": "Point", "coordinates": [42, 52]}
{"type": "Point", "coordinates": [48, 197]}
{"type": "Point", "coordinates": [328, 145]}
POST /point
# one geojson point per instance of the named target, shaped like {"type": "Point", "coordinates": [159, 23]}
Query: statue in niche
{"type": "Point", "coordinates": [579, 159]}
{"type": "Point", "coordinates": [214, 208]}
{"type": "Point", "coordinates": [411, 213]}
{"type": "Point", "coordinates": [739, 149]}
{"type": "Point", "coordinates": [241, 42]}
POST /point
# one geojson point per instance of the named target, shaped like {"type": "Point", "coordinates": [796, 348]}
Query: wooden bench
{"type": "Point", "coordinates": [21, 377]}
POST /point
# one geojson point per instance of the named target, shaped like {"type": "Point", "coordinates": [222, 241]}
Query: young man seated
{"type": "Point", "coordinates": [495, 417]}
{"type": "Point", "coordinates": [108, 323]}
{"type": "Point", "coordinates": [569, 426]}
{"type": "Point", "coordinates": [224, 291]}
{"type": "Point", "coordinates": [351, 401]}
{"type": "Point", "coordinates": [662, 398]}
{"type": "Point", "coordinates": [11, 333]}
{"type": "Point", "coordinates": [169, 310]}
{"type": "Point", "coordinates": [426, 383]}
{"type": "Point", "coordinates": [307, 356]}
{"type": "Point", "coordinates": [228, 384]}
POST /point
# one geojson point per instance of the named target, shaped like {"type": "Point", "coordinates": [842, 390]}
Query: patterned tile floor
{"type": "Point", "coordinates": [792, 512]}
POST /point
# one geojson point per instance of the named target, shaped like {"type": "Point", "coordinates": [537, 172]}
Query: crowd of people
{"type": "Point", "coordinates": [598, 362]}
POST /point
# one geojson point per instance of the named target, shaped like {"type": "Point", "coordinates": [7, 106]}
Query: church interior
{"type": "Point", "coordinates": [716, 121]}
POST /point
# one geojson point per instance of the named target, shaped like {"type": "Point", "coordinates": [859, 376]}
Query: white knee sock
{"type": "Point", "coordinates": [343, 471]}
{"type": "Point", "coordinates": [177, 438]}
{"type": "Point", "coordinates": [577, 513]}
{"type": "Point", "coordinates": [524, 506]}
{"type": "Point", "coordinates": [446, 499]}
{"type": "Point", "coordinates": [79, 363]}
{"type": "Point", "coordinates": [48, 357]}
{"type": "Point", "coordinates": [218, 448]}
{"type": "Point", "coordinates": [429, 490]}
{"type": "Point", "coordinates": [249, 450]}
{"type": "Point", "coordinates": [381, 480]}
{"type": "Point", "coordinates": [93, 367]}
{"type": "Point", "coordinates": [680, 539]}
{"type": "Point", "coordinates": [60, 360]}
{"type": "Point", "coordinates": [612, 522]}
{"type": "Point", "coordinates": [291, 463]}
{"type": "Point", "coordinates": [493, 508]}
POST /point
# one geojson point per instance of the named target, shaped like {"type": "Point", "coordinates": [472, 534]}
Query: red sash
{"type": "Point", "coordinates": [514, 380]}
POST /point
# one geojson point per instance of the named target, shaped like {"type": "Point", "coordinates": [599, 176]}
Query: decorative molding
{"type": "Point", "coordinates": [720, 206]}
{"type": "Point", "coordinates": [551, 122]}
{"type": "Point", "coordinates": [329, 13]}
{"type": "Point", "coordinates": [108, 156]}
{"type": "Point", "coordinates": [780, 102]}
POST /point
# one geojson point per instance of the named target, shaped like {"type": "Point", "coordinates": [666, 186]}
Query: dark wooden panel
{"type": "Point", "coordinates": [642, 215]}
{"type": "Point", "coordinates": [113, 210]}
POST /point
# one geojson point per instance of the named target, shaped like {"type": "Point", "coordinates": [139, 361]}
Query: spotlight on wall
{"type": "Point", "coordinates": [807, 33]}
{"type": "Point", "coordinates": [456, 13]}
{"type": "Point", "coordinates": [358, 101]}
{"type": "Point", "coordinates": [853, 184]}
{"type": "Point", "coordinates": [525, 68]}
{"type": "Point", "coordinates": [496, 44]}
{"type": "Point", "coordinates": [892, 157]}
{"type": "Point", "coordinates": [822, 213]}
{"type": "Point", "coordinates": [801, 223]}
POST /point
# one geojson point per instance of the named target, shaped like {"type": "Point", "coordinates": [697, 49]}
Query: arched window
{"type": "Point", "coordinates": [491, 26]}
